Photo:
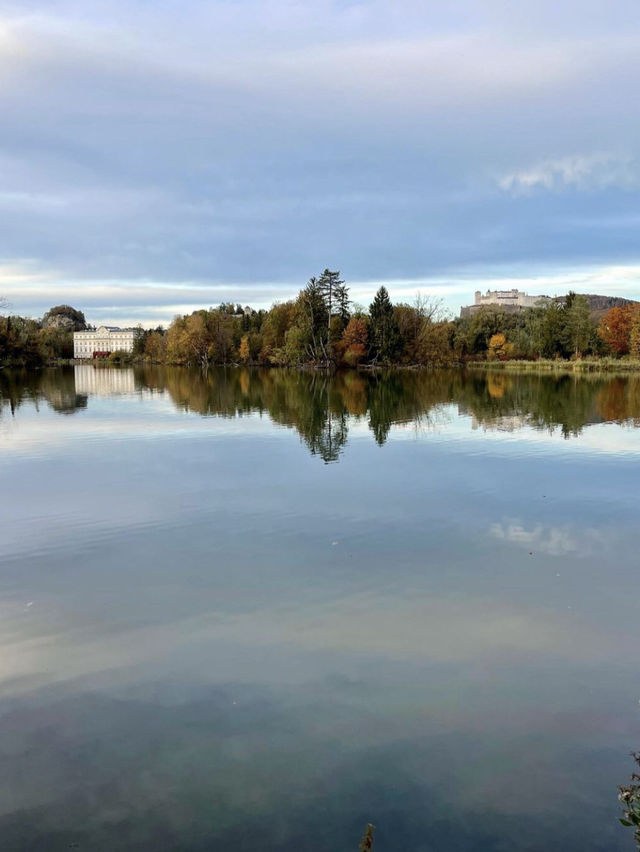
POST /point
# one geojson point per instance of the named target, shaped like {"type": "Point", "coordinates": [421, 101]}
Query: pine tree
{"type": "Point", "coordinates": [336, 294]}
{"type": "Point", "coordinates": [384, 336]}
{"type": "Point", "coordinates": [342, 303]}
{"type": "Point", "coordinates": [313, 320]}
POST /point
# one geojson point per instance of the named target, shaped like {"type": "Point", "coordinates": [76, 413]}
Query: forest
{"type": "Point", "coordinates": [323, 328]}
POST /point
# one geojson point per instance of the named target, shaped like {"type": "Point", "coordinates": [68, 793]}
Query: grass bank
{"type": "Point", "coordinates": [548, 365]}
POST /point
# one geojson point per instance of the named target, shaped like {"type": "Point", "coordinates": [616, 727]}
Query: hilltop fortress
{"type": "Point", "coordinates": [514, 300]}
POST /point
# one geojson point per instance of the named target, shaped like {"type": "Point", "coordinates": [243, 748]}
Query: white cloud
{"type": "Point", "coordinates": [31, 290]}
{"type": "Point", "coordinates": [555, 541]}
{"type": "Point", "coordinates": [580, 171]}
{"type": "Point", "coordinates": [253, 141]}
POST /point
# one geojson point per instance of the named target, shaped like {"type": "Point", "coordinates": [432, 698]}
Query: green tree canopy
{"type": "Point", "coordinates": [384, 336]}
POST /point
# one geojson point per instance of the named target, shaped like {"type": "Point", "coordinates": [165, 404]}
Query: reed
{"type": "Point", "coordinates": [548, 365]}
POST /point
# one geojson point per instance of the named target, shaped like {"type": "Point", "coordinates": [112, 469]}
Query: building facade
{"type": "Point", "coordinates": [103, 341]}
{"type": "Point", "coordinates": [508, 298]}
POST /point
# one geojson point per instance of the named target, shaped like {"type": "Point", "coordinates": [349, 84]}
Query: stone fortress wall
{"type": "Point", "coordinates": [508, 300]}
{"type": "Point", "coordinates": [514, 300]}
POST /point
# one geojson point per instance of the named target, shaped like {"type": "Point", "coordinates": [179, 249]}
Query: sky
{"type": "Point", "coordinates": [158, 156]}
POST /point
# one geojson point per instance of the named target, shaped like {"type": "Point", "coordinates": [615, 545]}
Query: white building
{"type": "Point", "coordinates": [104, 340]}
{"type": "Point", "coordinates": [508, 298]}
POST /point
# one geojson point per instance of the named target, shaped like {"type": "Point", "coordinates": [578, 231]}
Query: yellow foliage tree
{"type": "Point", "coordinates": [497, 345]}
{"type": "Point", "coordinates": [244, 352]}
{"type": "Point", "coordinates": [634, 336]}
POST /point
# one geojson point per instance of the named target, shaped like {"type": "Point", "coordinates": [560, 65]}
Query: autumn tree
{"type": "Point", "coordinates": [155, 346]}
{"type": "Point", "coordinates": [484, 324]}
{"type": "Point", "coordinates": [19, 341]}
{"type": "Point", "coordinates": [615, 328]}
{"type": "Point", "coordinates": [55, 342]}
{"type": "Point", "coordinates": [435, 346]}
{"type": "Point", "coordinates": [354, 341]}
{"type": "Point", "coordinates": [497, 345]}
{"type": "Point", "coordinates": [196, 339]}
{"type": "Point", "coordinates": [412, 321]}
{"type": "Point", "coordinates": [634, 335]}
{"type": "Point", "coordinates": [409, 327]}
{"type": "Point", "coordinates": [175, 345]}
{"type": "Point", "coordinates": [275, 327]}
{"type": "Point", "coordinates": [243, 351]}
{"type": "Point", "coordinates": [250, 348]}
{"type": "Point", "coordinates": [222, 327]}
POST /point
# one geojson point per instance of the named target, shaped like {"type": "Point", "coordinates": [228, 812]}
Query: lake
{"type": "Point", "coordinates": [256, 610]}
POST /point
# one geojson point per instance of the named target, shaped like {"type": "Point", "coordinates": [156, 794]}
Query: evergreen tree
{"type": "Point", "coordinates": [313, 320]}
{"type": "Point", "coordinates": [335, 293]}
{"type": "Point", "coordinates": [342, 303]}
{"type": "Point", "coordinates": [552, 336]}
{"type": "Point", "coordinates": [580, 328]}
{"type": "Point", "coordinates": [384, 335]}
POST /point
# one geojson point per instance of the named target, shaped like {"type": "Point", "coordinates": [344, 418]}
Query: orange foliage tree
{"type": "Point", "coordinates": [615, 328]}
{"type": "Point", "coordinates": [634, 337]}
{"type": "Point", "coordinates": [354, 341]}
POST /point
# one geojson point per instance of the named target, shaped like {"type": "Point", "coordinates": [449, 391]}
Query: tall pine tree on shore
{"type": "Point", "coordinates": [335, 293]}
{"type": "Point", "coordinates": [384, 335]}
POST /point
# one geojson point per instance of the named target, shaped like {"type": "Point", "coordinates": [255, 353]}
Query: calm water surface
{"type": "Point", "coordinates": [257, 610]}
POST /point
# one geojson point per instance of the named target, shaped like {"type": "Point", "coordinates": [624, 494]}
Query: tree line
{"type": "Point", "coordinates": [31, 342]}
{"type": "Point", "coordinates": [322, 327]}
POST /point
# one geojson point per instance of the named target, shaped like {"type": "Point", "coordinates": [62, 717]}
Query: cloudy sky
{"type": "Point", "coordinates": [162, 155]}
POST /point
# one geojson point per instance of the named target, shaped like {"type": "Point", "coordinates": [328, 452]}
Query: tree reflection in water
{"type": "Point", "coordinates": [322, 407]}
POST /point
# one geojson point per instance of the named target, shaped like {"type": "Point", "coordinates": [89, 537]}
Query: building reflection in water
{"type": "Point", "coordinates": [101, 381]}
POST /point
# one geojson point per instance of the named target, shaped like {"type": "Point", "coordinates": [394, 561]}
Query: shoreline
{"type": "Point", "coordinates": [588, 365]}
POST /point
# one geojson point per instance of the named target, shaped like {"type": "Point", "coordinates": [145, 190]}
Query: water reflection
{"type": "Point", "coordinates": [101, 382]}
{"type": "Point", "coordinates": [57, 387]}
{"type": "Point", "coordinates": [210, 641]}
{"type": "Point", "coordinates": [322, 407]}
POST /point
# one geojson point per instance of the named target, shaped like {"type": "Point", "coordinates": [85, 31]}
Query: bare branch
{"type": "Point", "coordinates": [429, 307]}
